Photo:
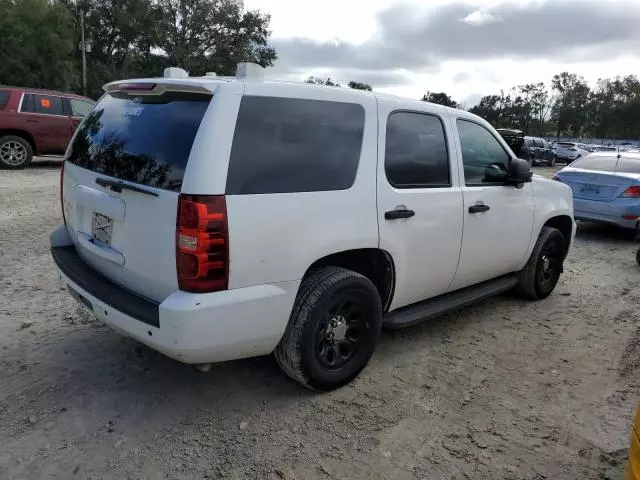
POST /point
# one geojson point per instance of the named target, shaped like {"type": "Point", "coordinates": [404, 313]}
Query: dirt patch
{"type": "Point", "coordinates": [504, 389]}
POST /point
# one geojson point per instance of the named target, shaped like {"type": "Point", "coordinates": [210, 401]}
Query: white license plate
{"type": "Point", "coordinates": [101, 228]}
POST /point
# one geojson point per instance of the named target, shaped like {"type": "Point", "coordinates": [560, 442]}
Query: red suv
{"type": "Point", "coordinates": [37, 122]}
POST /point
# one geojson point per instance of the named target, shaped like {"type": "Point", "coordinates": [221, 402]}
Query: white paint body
{"type": "Point", "coordinates": [275, 238]}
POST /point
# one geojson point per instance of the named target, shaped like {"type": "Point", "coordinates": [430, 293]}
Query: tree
{"type": "Point", "coordinates": [321, 81]}
{"type": "Point", "coordinates": [439, 98]}
{"type": "Point", "coordinates": [213, 35]}
{"type": "Point", "coordinates": [570, 109]}
{"type": "Point", "coordinates": [37, 45]}
{"type": "Point", "coordinates": [360, 86]}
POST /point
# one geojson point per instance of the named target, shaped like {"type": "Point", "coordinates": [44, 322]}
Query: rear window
{"type": "Point", "coordinates": [143, 139]}
{"type": "Point", "coordinates": [608, 164]}
{"type": "Point", "coordinates": [286, 145]}
{"type": "Point", "coordinates": [565, 145]}
{"type": "Point", "coordinates": [4, 98]}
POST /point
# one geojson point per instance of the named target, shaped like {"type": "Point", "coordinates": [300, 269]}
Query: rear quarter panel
{"type": "Point", "coordinates": [276, 237]}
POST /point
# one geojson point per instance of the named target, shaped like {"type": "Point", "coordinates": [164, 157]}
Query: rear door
{"type": "Point", "coordinates": [47, 121]}
{"type": "Point", "coordinates": [122, 178]}
{"type": "Point", "coordinates": [419, 201]}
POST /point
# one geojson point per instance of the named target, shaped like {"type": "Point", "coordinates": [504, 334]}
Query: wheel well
{"type": "Point", "coordinates": [373, 263]}
{"type": "Point", "coordinates": [564, 223]}
{"type": "Point", "coordinates": [19, 133]}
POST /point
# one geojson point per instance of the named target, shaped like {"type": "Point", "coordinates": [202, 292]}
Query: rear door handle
{"type": "Point", "coordinates": [399, 213]}
{"type": "Point", "coordinates": [480, 208]}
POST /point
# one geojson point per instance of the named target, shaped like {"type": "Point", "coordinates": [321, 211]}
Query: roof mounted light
{"type": "Point", "coordinates": [175, 72]}
{"type": "Point", "coordinates": [249, 71]}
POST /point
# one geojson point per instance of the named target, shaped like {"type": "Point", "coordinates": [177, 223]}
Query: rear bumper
{"type": "Point", "coordinates": [188, 327]}
{"type": "Point", "coordinates": [606, 212]}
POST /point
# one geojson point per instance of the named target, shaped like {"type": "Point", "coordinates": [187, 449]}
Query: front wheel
{"type": "Point", "coordinates": [540, 275]}
{"type": "Point", "coordinates": [333, 329]}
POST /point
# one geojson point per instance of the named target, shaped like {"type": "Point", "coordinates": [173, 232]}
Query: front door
{"type": "Point", "coordinates": [419, 201]}
{"type": "Point", "coordinates": [498, 218]}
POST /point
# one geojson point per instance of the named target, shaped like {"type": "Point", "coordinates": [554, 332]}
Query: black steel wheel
{"type": "Point", "coordinates": [333, 329]}
{"type": "Point", "coordinates": [540, 275]}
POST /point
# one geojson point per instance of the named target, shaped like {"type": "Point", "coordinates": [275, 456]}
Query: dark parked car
{"type": "Point", "coordinates": [37, 122]}
{"type": "Point", "coordinates": [533, 149]}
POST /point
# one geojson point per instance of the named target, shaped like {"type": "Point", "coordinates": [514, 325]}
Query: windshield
{"type": "Point", "coordinates": [142, 139]}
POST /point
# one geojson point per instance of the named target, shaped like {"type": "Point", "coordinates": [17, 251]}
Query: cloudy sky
{"type": "Point", "coordinates": [467, 48]}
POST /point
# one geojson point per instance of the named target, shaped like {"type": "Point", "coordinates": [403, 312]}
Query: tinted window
{"type": "Point", "coordinates": [79, 108]}
{"type": "Point", "coordinates": [608, 164]}
{"type": "Point", "coordinates": [45, 104]}
{"type": "Point", "coordinates": [484, 159]}
{"type": "Point", "coordinates": [545, 145]}
{"type": "Point", "coordinates": [4, 98]}
{"type": "Point", "coordinates": [416, 151]}
{"type": "Point", "coordinates": [143, 139]}
{"type": "Point", "coordinates": [565, 145]}
{"type": "Point", "coordinates": [528, 142]}
{"type": "Point", "coordinates": [293, 145]}
{"type": "Point", "coordinates": [537, 143]}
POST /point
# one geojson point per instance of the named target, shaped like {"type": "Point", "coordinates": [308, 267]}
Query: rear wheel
{"type": "Point", "coordinates": [540, 275]}
{"type": "Point", "coordinates": [333, 330]}
{"type": "Point", "coordinates": [552, 162]}
{"type": "Point", "coordinates": [638, 256]}
{"type": "Point", "coordinates": [15, 152]}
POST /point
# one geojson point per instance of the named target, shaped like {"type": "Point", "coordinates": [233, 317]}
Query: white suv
{"type": "Point", "coordinates": [220, 218]}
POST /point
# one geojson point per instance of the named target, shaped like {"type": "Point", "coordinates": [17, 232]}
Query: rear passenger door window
{"type": "Point", "coordinates": [79, 108]}
{"type": "Point", "coordinates": [283, 145]}
{"type": "Point", "coordinates": [485, 160]}
{"type": "Point", "coordinates": [416, 151]}
{"type": "Point", "coordinates": [42, 104]}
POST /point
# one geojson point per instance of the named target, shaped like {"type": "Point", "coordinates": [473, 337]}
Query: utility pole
{"type": "Point", "coordinates": [84, 54]}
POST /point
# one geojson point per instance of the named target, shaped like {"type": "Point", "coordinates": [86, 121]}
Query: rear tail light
{"type": "Point", "coordinates": [64, 218]}
{"type": "Point", "coordinates": [573, 149]}
{"type": "Point", "coordinates": [631, 192]}
{"type": "Point", "coordinates": [202, 243]}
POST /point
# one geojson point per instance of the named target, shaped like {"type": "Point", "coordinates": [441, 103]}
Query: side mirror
{"type": "Point", "coordinates": [519, 172]}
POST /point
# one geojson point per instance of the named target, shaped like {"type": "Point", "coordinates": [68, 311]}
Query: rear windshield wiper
{"type": "Point", "coordinates": [118, 185]}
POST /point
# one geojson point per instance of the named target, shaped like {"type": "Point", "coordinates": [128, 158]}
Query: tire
{"type": "Point", "coordinates": [540, 275]}
{"type": "Point", "coordinates": [15, 152]}
{"type": "Point", "coordinates": [638, 256]}
{"type": "Point", "coordinates": [552, 162]}
{"type": "Point", "coordinates": [304, 352]}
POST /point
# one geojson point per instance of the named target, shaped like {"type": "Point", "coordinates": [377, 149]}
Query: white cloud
{"type": "Point", "coordinates": [466, 48]}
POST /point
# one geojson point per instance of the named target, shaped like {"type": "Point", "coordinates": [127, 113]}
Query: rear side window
{"type": "Point", "coordinates": [144, 139]}
{"type": "Point", "coordinates": [416, 151]}
{"type": "Point", "coordinates": [79, 108]}
{"type": "Point", "coordinates": [4, 98]}
{"type": "Point", "coordinates": [537, 143]}
{"type": "Point", "coordinates": [43, 104]}
{"type": "Point", "coordinates": [608, 164]}
{"type": "Point", "coordinates": [286, 145]}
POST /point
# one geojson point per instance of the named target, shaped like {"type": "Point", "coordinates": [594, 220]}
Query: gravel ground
{"type": "Point", "coordinates": [502, 390]}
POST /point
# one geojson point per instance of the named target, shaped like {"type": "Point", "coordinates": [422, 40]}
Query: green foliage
{"type": "Point", "coordinates": [129, 39]}
{"type": "Point", "coordinates": [439, 98]}
{"type": "Point", "coordinates": [37, 45]}
{"type": "Point", "coordinates": [321, 81]}
{"type": "Point", "coordinates": [571, 107]}
{"type": "Point", "coordinates": [360, 86]}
